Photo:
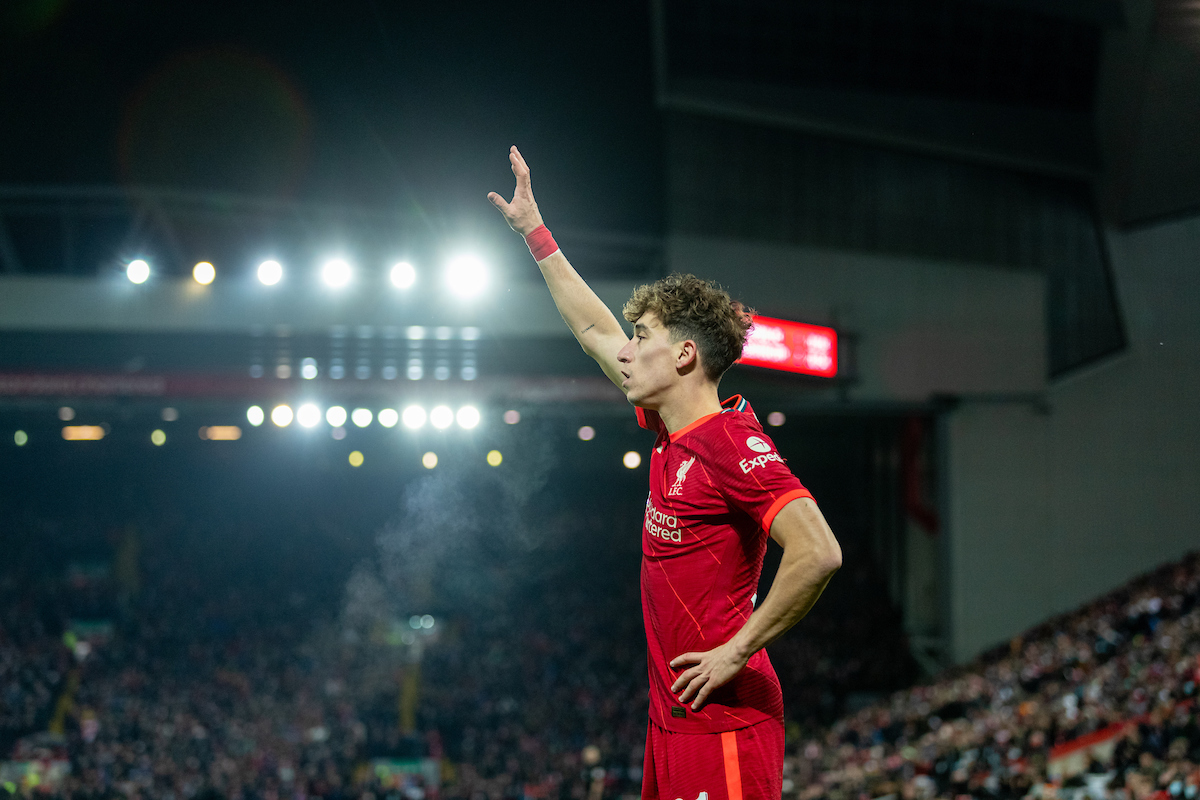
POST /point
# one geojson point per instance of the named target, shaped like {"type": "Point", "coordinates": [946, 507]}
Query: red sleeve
{"type": "Point", "coordinates": [650, 420]}
{"type": "Point", "coordinates": [752, 475]}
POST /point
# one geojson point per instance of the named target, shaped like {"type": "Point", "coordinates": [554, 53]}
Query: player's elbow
{"type": "Point", "coordinates": [831, 557]}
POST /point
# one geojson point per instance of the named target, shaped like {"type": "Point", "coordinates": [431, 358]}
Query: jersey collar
{"type": "Point", "coordinates": [735, 403]}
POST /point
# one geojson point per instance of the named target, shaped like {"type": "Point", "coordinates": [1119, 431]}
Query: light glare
{"type": "Point", "coordinates": [413, 417]}
{"type": "Point", "coordinates": [204, 273]}
{"type": "Point", "coordinates": [468, 417]}
{"type": "Point", "coordinates": [388, 417]}
{"type": "Point", "coordinates": [512, 416]}
{"type": "Point", "coordinates": [138, 271]}
{"type": "Point", "coordinates": [361, 417]}
{"type": "Point", "coordinates": [429, 460]}
{"type": "Point", "coordinates": [336, 273]}
{"type": "Point", "coordinates": [20, 438]}
{"type": "Point", "coordinates": [158, 438]}
{"type": "Point", "coordinates": [466, 276]}
{"type": "Point", "coordinates": [308, 369]}
{"type": "Point", "coordinates": [281, 415]}
{"type": "Point", "coordinates": [404, 275]}
{"type": "Point", "coordinates": [632, 459]}
{"type": "Point", "coordinates": [255, 415]}
{"type": "Point", "coordinates": [81, 433]}
{"type": "Point", "coordinates": [335, 416]}
{"type": "Point", "coordinates": [587, 433]}
{"type": "Point", "coordinates": [494, 458]}
{"type": "Point", "coordinates": [270, 273]}
{"type": "Point", "coordinates": [308, 415]}
{"type": "Point", "coordinates": [441, 417]}
{"type": "Point", "coordinates": [356, 458]}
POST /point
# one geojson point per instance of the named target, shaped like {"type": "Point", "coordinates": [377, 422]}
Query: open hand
{"type": "Point", "coordinates": [712, 669]}
{"type": "Point", "coordinates": [522, 213]}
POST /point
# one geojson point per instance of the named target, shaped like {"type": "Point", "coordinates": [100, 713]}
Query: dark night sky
{"type": "Point", "coordinates": [377, 103]}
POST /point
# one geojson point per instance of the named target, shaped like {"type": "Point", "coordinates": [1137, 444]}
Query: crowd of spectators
{"type": "Point", "coordinates": [243, 672]}
{"type": "Point", "coordinates": [1127, 664]}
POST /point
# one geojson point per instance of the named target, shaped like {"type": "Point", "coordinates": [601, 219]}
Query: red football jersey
{"type": "Point", "coordinates": [715, 488]}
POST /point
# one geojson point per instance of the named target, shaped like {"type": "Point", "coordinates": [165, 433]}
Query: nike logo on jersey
{"type": "Point", "coordinates": [680, 474]}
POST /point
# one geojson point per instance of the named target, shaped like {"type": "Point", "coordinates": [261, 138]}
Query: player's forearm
{"type": "Point", "coordinates": [583, 311]}
{"type": "Point", "coordinates": [803, 574]}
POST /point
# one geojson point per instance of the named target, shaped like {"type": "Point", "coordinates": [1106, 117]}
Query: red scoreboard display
{"type": "Point", "coordinates": [791, 347]}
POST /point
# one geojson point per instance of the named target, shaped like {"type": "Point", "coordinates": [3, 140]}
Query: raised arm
{"type": "Point", "coordinates": [599, 332]}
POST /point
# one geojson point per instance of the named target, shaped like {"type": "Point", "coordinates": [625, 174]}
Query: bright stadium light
{"type": "Point", "coordinates": [466, 276]}
{"type": "Point", "coordinates": [361, 417]}
{"type": "Point", "coordinates": [388, 417]}
{"type": "Point", "coordinates": [632, 459]}
{"type": "Point", "coordinates": [281, 415]}
{"type": "Point", "coordinates": [335, 416]}
{"type": "Point", "coordinates": [404, 275]}
{"type": "Point", "coordinates": [204, 273]}
{"type": "Point", "coordinates": [413, 417]}
{"type": "Point", "coordinates": [138, 271]}
{"type": "Point", "coordinates": [158, 438]}
{"type": "Point", "coordinates": [336, 273]}
{"type": "Point", "coordinates": [308, 369]}
{"type": "Point", "coordinates": [467, 417]}
{"type": "Point", "coordinates": [255, 415]}
{"type": "Point", "coordinates": [441, 417]}
{"type": "Point", "coordinates": [356, 458]}
{"type": "Point", "coordinates": [308, 415]}
{"type": "Point", "coordinates": [429, 460]}
{"type": "Point", "coordinates": [270, 273]}
{"type": "Point", "coordinates": [494, 458]}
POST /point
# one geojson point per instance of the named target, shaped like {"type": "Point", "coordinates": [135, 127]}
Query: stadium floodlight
{"type": "Point", "coordinates": [466, 276]}
{"type": "Point", "coordinates": [255, 415]}
{"type": "Point", "coordinates": [403, 275]}
{"type": "Point", "coordinates": [632, 459]}
{"type": "Point", "coordinates": [308, 369]}
{"type": "Point", "coordinates": [494, 458]}
{"type": "Point", "coordinates": [281, 415]}
{"type": "Point", "coordinates": [467, 417]}
{"type": "Point", "coordinates": [270, 273]}
{"type": "Point", "coordinates": [356, 458]}
{"type": "Point", "coordinates": [388, 417]}
{"type": "Point", "coordinates": [204, 273]}
{"type": "Point", "coordinates": [441, 417]}
{"type": "Point", "coordinates": [361, 417]}
{"type": "Point", "coordinates": [138, 271]}
{"type": "Point", "coordinates": [413, 417]}
{"type": "Point", "coordinates": [336, 273]}
{"type": "Point", "coordinates": [429, 460]}
{"type": "Point", "coordinates": [308, 415]}
{"type": "Point", "coordinates": [587, 433]}
{"type": "Point", "coordinates": [158, 438]}
{"type": "Point", "coordinates": [335, 416]}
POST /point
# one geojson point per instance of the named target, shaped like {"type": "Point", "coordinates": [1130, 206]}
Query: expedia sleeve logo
{"type": "Point", "coordinates": [758, 445]}
{"type": "Point", "coordinates": [662, 526]}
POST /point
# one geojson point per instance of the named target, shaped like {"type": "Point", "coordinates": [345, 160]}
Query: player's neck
{"type": "Point", "coordinates": [688, 404]}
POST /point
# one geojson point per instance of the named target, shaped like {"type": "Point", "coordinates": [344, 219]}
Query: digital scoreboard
{"type": "Point", "coordinates": [791, 347]}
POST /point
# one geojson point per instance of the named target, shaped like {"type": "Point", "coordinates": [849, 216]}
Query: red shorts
{"type": "Point", "coordinates": [746, 764]}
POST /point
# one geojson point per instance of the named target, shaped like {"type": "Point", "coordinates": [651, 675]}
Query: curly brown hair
{"type": "Point", "coordinates": [696, 309]}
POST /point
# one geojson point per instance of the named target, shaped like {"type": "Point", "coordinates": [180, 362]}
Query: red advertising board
{"type": "Point", "coordinates": [792, 347]}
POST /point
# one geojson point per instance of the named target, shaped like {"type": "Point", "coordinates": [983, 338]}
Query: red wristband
{"type": "Point", "coordinates": [541, 243]}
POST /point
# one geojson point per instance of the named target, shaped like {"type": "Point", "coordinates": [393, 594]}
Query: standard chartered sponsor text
{"type": "Point", "coordinates": [662, 526]}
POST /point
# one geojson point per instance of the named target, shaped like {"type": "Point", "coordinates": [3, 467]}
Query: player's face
{"type": "Point", "coordinates": [648, 362]}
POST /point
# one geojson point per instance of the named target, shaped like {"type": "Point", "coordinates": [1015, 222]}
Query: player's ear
{"type": "Point", "coordinates": [687, 355]}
